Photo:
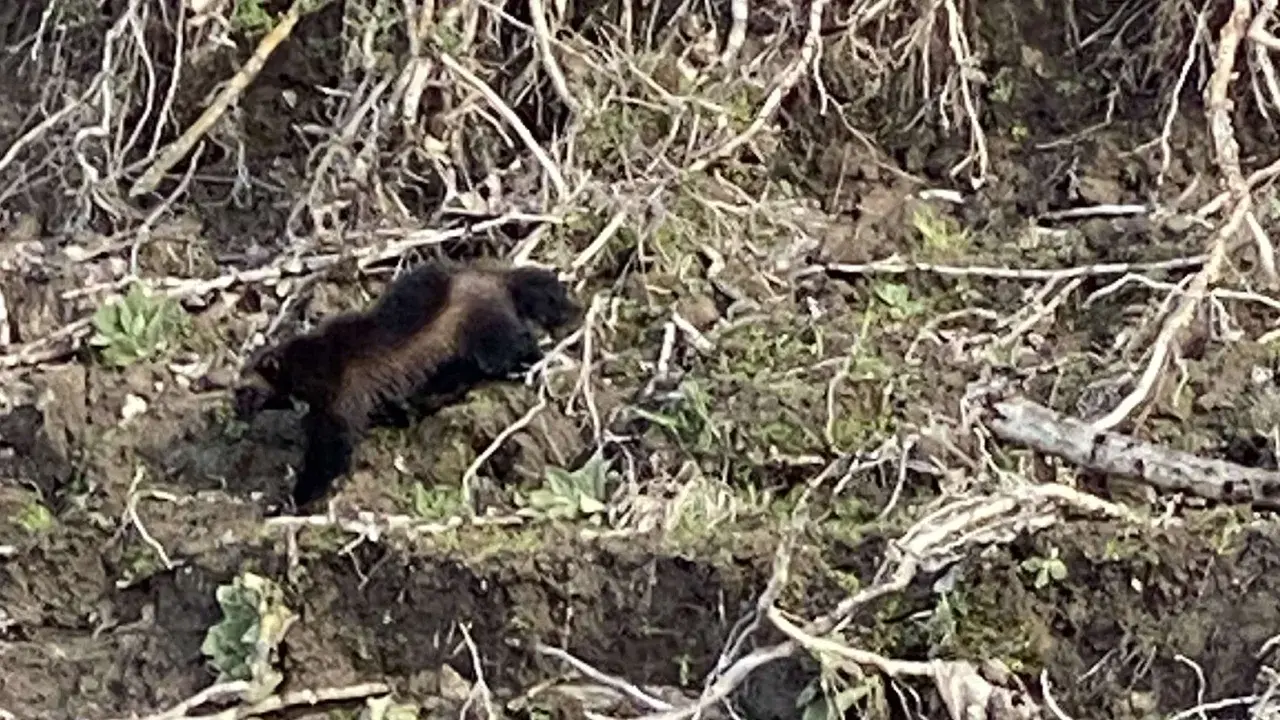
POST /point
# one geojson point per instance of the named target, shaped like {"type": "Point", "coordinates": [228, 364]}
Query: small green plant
{"type": "Point", "coordinates": [250, 17]}
{"type": "Point", "coordinates": [690, 420]}
{"type": "Point", "coordinates": [567, 495]}
{"type": "Point", "coordinates": [1047, 569]}
{"type": "Point", "coordinates": [940, 233]}
{"type": "Point", "coordinates": [138, 326]}
{"type": "Point", "coordinates": [434, 503]}
{"type": "Point", "coordinates": [243, 646]}
{"type": "Point", "coordinates": [898, 299]}
{"type": "Point", "coordinates": [831, 696]}
{"type": "Point", "coordinates": [35, 518]}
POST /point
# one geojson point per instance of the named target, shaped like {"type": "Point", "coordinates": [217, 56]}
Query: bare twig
{"type": "Point", "coordinates": [499, 106]}
{"type": "Point", "coordinates": [966, 693]}
{"type": "Point", "coordinates": [5, 334]}
{"type": "Point", "coordinates": [542, 33]}
{"type": "Point", "coordinates": [276, 703]}
{"type": "Point", "coordinates": [786, 82]}
{"type": "Point", "coordinates": [934, 538]}
{"type": "Point", "coordinates": [474, 468]}
{"type": "Point", "coordinates": [67, 338]}
{"type": "Point", "coordinates": [895, 267]}
{"type": "Point", "coordinates": [213, 692]}
{"type": "Point", "coordinates": [739, 14]}
{"type": "Point", "coordinates": [43, 127]}
{"type": "Point", "coordinates": [623, 686]}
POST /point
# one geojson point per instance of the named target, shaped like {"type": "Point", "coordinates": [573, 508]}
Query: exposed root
{"type": "Point", "coordinates": [1226, 151]}
{"type": "Point", "coordinates": [934, 540]}
{"type": "Point", "coordinates": [273, 704]}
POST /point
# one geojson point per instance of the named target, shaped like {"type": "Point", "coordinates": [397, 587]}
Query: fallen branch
{"type": "Point", "coordinates": [67, 339]}
{"type": "Point", "coordinates": [936, 539]}
{"type": "Point", "coordinates": [1044, 430]}
{"type": "Point", "coordinates": [789, 79]}
{"type": "Point", "coordinates": [897, 267]}
{"type": "Point", "coordinates": [964, 689]}
{"type": "Point", "coordinates": [272, 704]}
{"type": "Point", "coordinates": [235, 87]}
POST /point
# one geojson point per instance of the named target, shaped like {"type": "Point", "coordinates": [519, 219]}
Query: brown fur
{"type": "Point", "coordinates": [437, 331]}
{"type": "Point", "coordinates": [369, 379]}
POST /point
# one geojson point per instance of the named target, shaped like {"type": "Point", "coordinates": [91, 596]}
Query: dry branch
{"type": "Point", "coordinates": [789, 79]}
{"type": "Point", "coordinates": [67, 339]}
{"type": "Point", "coordinates": [934, 540]}
{"type": "Point", "coordinates": [1044, 430]}
{"type": "Point", "coordinates": [499, 106]}
{"type": "Point", "coordinates": [179, 148]}
{"type": "Point", "coordinates": [965, 691]}
{"type": "Point", "coordinates": [897, 267]}
{"type": "Point", "coordinates": [272, 704]}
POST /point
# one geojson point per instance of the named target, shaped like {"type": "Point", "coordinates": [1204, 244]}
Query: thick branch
{"type": "Point", "coordinates": [1039, 428]}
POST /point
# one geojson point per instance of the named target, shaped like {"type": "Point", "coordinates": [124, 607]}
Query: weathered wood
{"type": "Point", "coordinates": [1037, 427]}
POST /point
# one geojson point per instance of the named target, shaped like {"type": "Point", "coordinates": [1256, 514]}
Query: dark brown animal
{"type": "Point", "coordinates": [438, 331]}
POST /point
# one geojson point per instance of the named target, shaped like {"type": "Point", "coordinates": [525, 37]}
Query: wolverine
{"type": "Point", "coordinates": [438, 331]}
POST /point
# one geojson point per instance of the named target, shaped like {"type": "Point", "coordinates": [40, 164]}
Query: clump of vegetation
{"type": "Point", "coordinates": [569, 495]}
{"type": "Point", "coordinates": [35, 518]}
{"type": "Point", "coordinates": [138, 327]}
{"type": "Point", "coordinates": [1047, 569]}
{"type": "Point", "coordinates": [243, 646]}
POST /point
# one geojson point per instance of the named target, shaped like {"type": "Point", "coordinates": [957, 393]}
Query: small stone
{"type": "Point", "coordinates": [699, 310]}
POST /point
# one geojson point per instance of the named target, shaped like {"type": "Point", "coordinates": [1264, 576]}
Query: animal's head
{"type": "Point", "coordinates": [540, 296]}
{"type": "Point", "coordinates": [271, 376]}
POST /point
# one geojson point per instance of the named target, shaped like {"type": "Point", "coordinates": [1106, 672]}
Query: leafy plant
{"type": "Point", "coordinates": [243, 645]}
{"type": "Point", "coordinates": [566, 495]}
{"type": "Point", "coordinates": [690, 419]}
{"type": "Point", "coordinates": [939, 232]}
{"type": "Point", "coordinates": [138, 326]}
{"type": "Point", "coordinates": [35, 518]}
{"type": "Point", "coordinates": [898, 297]}
{"type": "Point", "coordinates": [1047, 569]}
{"type": "Point", "coordinates": [251, 17]}
{"type": "Point", "coordinates": [829, 696]}
{"type": "Point", "coordinates": [434, 502]}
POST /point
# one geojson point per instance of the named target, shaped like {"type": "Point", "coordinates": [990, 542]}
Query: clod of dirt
{"type": "Point", "coordinates": [31, 454]}
{"type": "Point", "coordinates": [64, 408]}
{"type": "Point", "coordinates": [700, 310]}
{"type": "Point", "coordinates": [35, 307]}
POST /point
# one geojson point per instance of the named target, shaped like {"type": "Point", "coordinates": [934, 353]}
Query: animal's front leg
{"type": "Point", "coordinates": [330, 446]}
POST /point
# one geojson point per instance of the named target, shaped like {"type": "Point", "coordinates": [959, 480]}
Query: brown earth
{"type": "Point", "coordinates": [1147, 621]}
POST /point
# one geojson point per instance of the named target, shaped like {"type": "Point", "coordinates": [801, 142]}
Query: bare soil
{"type": "Point", "coordinates": [96, 622]}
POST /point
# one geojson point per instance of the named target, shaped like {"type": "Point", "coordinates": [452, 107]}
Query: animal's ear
{"type": "Point", "coordinates": [266, 362]}
{"type": "Point", "coordinates": [540, 296]}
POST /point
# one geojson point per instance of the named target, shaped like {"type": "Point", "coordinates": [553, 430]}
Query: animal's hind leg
{"type": "Point", "coordinates": [330, 447]}
{"type": "Point", "coordinates": [498, 344]}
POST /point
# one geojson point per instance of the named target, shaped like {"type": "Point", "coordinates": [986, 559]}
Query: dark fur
{"type": "Point", "coordinates": [438, 332]}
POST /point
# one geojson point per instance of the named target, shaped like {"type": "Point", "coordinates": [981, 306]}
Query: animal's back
{"type": "Point", "coordinates": [419, 321]}
{"type": "Point", "coordinates": [413, 301]}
